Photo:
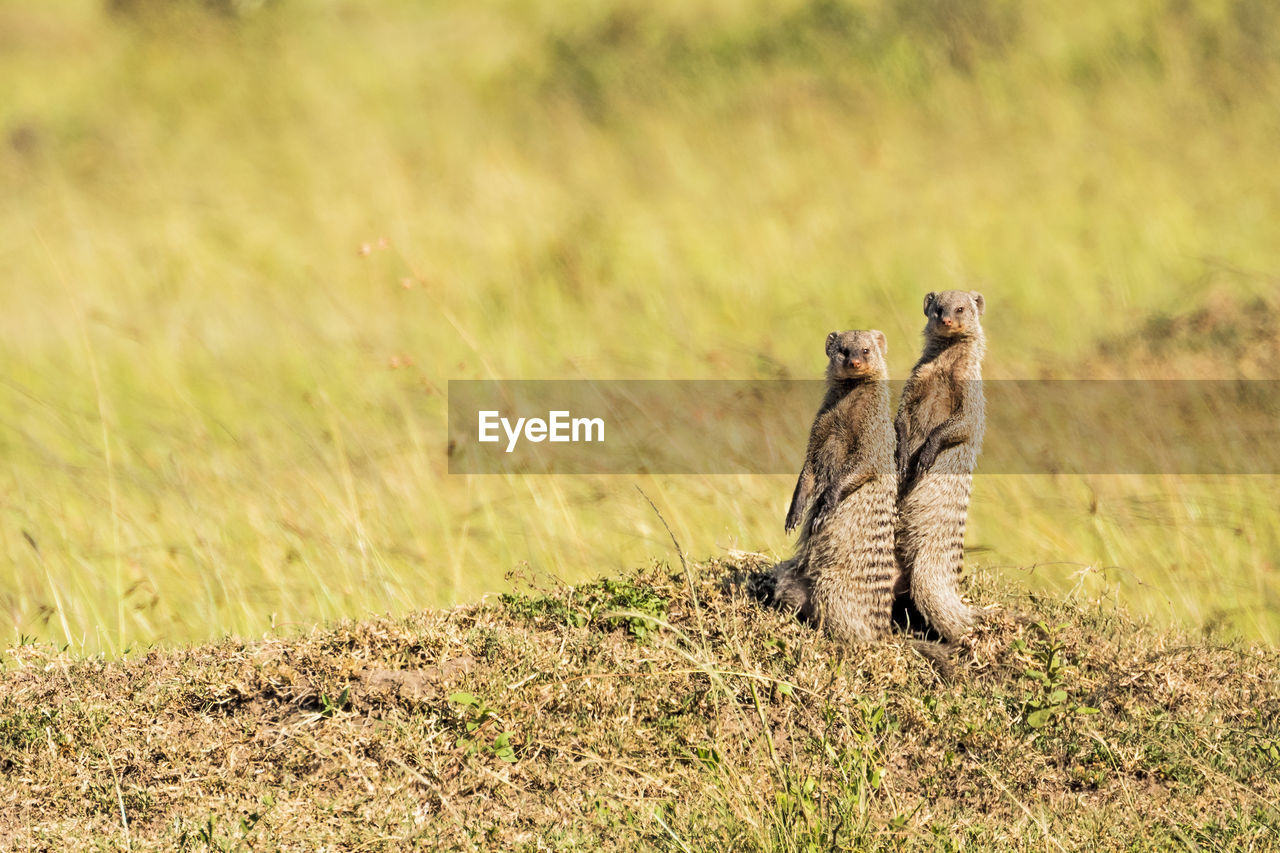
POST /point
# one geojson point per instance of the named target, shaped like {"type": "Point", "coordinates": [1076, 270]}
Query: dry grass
{"type": "Point", "coordinates": [648, 712]}
{"type": "Point", "coordinates": [221, 416]}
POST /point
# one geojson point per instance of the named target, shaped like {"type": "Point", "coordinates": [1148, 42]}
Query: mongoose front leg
{"type": "Point", "coordinates": [800, 498]}
{"type": "Point", "coordinates": [902, 456]}
{"type": "Point", "coordinates": [951, 432]}
{"type": "Point", "coordinates": [830, 498]}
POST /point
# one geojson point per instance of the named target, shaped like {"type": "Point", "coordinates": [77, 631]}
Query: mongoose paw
{"type": "Point", "coordinates": [822, 507]}
{"type": "Point", "coordinates": [928, 455]}
{"type": "Point", "coordinates": [904, 464]}
{"type": "Point", "coordinates": [793, 519]}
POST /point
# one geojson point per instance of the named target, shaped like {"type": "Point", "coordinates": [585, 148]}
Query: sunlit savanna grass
{"type": "Point", "coordinates": [220, 411]}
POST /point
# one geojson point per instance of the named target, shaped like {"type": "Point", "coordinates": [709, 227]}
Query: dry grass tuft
{"type": "Point", "coordinates": [618, 714]}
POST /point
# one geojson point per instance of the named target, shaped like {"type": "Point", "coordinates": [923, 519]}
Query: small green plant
{"type": "Point", "coordinates": [1269, 750]}
{"type": "Point", "coordinates": [1051, 701]}
{"type": "Point", "coordinates": [797, 799]}
{"type": "Point", "coordinates": [639, 603]}
{"type": "Point", "coordinates": [709, 756]}
{"type": "Point", "coordinates": [476, 715]}
{"type": "Point", "coordinates": [502, 748]}
{"type": "Point", "coordinates": [606, 604]}
{"type": "Point", "coordinates": [330, 706]}
{"type": "Point", "coordinates": [22, 728]}
{"type": "Point", "coordinates": [208, 834]}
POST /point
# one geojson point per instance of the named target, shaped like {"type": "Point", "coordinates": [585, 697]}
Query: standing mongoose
{"type": "Point", "coordinates": [939, 435]}
{"type": "Point", "coordinates": [842, 573]}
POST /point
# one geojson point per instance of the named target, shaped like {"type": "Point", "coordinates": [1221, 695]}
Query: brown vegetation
{"type": "Point", "coordinates": [649, 712]}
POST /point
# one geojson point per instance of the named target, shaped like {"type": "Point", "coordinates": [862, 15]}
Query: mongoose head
{"type": "Point", "coordinates": [857, 355]}
{"type": "Point", "coordinates": [953, 313]}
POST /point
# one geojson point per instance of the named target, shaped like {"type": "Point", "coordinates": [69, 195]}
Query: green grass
{"type": "Point", "coordinates": [220, 414]}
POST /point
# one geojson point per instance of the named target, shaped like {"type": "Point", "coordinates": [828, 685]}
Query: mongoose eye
{"type": "Point", "coordinates": [959, 309]}
{"type": "Point", "coordinates": [866, 351]}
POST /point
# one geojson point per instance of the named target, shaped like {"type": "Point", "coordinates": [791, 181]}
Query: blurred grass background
{"type": "Point", "coordinates": [245, 244]}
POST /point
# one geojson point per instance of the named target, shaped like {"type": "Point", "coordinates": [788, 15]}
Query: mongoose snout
{"type": "Point", "coordinates": [855, 355]}
{"type": "Point", "coordinates": [953, 312]}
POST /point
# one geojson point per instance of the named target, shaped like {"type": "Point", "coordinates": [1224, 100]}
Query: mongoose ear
{"type": "Point", "coordinates": [881, 341]}
{"type": "Point", "coordinates": [978, 301]}
{"type": "Point", "coordinates": [831, 343]}
{"type": "Point", "coordinates": [928, 301]}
